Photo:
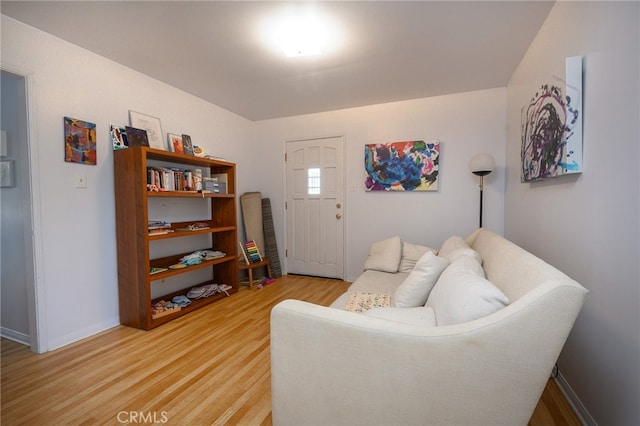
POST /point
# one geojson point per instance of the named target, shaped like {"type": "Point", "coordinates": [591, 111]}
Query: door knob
{"type": "Point", "coordinates": [338, 216]}
{"type": "Point", "coordinates": [338, 205]}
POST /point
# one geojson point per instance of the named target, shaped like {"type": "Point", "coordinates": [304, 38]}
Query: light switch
{"type": "Point", "coordinates": [81, 180]}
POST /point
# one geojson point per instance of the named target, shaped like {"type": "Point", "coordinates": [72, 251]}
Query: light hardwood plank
{"type": "Point", "coordinates": [209, 367]}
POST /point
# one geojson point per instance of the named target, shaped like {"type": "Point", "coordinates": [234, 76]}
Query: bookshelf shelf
{"type": "Point", "coordinates": [136, 283]}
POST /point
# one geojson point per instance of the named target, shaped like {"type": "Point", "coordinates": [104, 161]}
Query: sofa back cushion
{"type": "Point", "coordinates": [415, 289]}
{"type": "Point", "coordinates": [385, 255]}
{"type": "Point", "coordinates": [411, 253]}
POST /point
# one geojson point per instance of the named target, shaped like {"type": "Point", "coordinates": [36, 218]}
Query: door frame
{"type": "Point", "coordinates": [36, 305]}
{"type": "Point", "coordinates": [344, 192]}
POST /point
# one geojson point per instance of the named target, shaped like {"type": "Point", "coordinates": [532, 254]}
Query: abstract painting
{"type": "Point", "coordinates": [79, 141]}
{"type": "Point", "coordinates": [402, 166]}
{"type": "Point", "coordinates": [551, 142]}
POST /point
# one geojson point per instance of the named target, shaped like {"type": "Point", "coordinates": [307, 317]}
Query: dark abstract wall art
{"type": "Point", "coordinates": [552, 127]}
{"type": "Point", "coordinates": [402, 166]}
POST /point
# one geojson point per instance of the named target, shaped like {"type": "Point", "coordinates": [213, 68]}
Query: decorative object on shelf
{"type": "Point", "coordinates": [175, 143]}
{"type": "Point", "coordinates": [7, 175]}
{"type": "Point", "coordinates": [481, 165]}
{"type": "Point", "coordinates": [187, 145]}
{"type": "Point", "coordinates": [250, 252]}
{"type": "Point", "coordinates": [79, 141]}
{"type": "Point", "coordinates": [551, 142]}
{"type": "Point", "coordinates": [151, 125]}
{"type": "Point", "coordinates": [402, 166]}
{"type": "Point", "coordinates": [137, 137]}
{"type": "Point", "coordinates": [119, 137]}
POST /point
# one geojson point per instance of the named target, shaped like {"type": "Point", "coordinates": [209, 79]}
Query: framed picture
{"type": "Point", "coordinates": [187, 145]}
{"type": "Point", "coordinates": [151, 125]}
{"type": "Point", "coordinates": [6, 174]}
{"type": "Point", "coordinates": [402, 166]}
{"type": "Point", "coordinates": [551, 127]}
{"type": "Point", "coordinates": [79, 141]}
{"type": "Point", "coordinates": [175, 143]}
{"type": "Point", "coordinates": [119, 137]}
{"type": "Point", "coordinates": [136, 137]}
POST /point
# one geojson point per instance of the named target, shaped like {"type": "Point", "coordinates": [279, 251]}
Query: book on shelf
{"type": "Point", "coordinates": [173, 179]}
{"type": "Point", "coordinates": [155, 270]}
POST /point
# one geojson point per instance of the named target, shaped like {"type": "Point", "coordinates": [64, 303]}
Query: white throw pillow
{"type": "Point", "coordinates": [451, 244]}
{"type": "Point", "coordinates": [422, 315]}
{"type": "Point", "coordinates": [385, 255]}
{"type": "Point", "coordinates": [460, 296]}
{"type": "Point", "coordinates": [411, 253]}
{"type": "Point", "coordinates": [415, 289]}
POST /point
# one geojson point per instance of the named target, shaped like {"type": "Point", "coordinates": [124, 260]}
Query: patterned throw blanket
{"type": "Point", "coordinates": [360, 302]}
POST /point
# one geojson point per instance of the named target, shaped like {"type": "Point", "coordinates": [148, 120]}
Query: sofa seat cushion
{"type": "Point", "coordinates": [421, 316]}
{"type": "Point", "coordinates": [415, 289]}
{"type": "Point", "coordinates": [372, 282]}
{"type": "Point", "coordinates": [462, 294]}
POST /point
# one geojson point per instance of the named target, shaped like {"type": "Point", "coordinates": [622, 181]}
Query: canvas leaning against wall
{"type": "Point", "coordinates": [402, 166]}
{"type": "Point", "coordinates": [552, 127]}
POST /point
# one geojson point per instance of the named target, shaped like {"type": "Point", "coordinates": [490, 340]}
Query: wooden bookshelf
{"type": "Point", "coordinates": [135, 282]}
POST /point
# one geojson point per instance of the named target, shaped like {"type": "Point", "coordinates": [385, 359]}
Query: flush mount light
{"type": "Point", "coordinates": [301, 31]}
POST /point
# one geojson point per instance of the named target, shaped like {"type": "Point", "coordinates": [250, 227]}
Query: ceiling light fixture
{"type": "Point", "coordinates": [301, 32]}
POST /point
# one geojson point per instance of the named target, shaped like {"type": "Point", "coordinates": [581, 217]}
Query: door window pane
{"type": "Point", "coordinates": [313, 181]}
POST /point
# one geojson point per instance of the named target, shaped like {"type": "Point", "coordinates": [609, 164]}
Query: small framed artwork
{"type": "Point", "coordinates": [151, 125]}
{"type": "Point", "coordinates": [6, 174]}
{"type": "Point", "coordinates": [187, 145]}
{"type": "Point", "coordinates": [137, 137]}
{"type": "Point", "coordinates": [175, 143]}
{"type": "Point", "coordinates": [79, 141]}
{"type": "Point", "coordinates": [119, 137]}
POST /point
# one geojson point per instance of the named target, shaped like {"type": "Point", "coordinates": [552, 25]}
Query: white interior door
{"type": "Point", "coordinates": [315, 207]}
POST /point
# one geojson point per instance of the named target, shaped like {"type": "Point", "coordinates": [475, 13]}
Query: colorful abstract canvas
{"type": "Point", "coordinates": [79, 141]}
{"type": "Point", "coordinates": [552, 127]}
{"type": "Point", "coordinates": [402, 166]}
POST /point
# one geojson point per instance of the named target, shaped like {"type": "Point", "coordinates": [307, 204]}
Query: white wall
{"type": "Point", "coordinates": [77, 239]}
{"type": "Point", "coordinates": [466, 124]}
{"type": "Point", "coordinates": [588, 225]}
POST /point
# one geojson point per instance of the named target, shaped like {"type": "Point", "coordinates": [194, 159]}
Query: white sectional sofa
{"type": "Point", "coordinates": [478, 351]}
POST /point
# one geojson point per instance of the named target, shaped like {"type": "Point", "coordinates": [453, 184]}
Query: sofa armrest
{"type": "Point", "coordinates": [332, 367]}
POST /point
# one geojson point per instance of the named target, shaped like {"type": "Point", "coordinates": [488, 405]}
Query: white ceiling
{"type": "Point", "coordinates": [391, 50]}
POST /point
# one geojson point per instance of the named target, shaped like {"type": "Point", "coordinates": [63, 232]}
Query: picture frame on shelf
{"type": "Point", "coordinates": [187, 145]}
{"type": "Point", "coordinates": [119, 137]}
{"type": "Point", "coordinates": [175, 143]}
{"type": "Point", "coordinates": [151, 124]}
{"type": "Point", "coordinates": [137, 137]}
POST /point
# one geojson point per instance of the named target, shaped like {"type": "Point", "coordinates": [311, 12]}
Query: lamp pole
{"type": "Point", "coordinates": [481, 165]}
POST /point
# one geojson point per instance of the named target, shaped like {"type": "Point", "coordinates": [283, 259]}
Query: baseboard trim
{"type": "Point", "coordinates": [575, 403]}
{"type": "Point", "coordinates": [15, 336]}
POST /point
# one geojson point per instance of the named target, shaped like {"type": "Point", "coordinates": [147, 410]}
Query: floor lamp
{"type": "Point", "coordinates": [481, 165]}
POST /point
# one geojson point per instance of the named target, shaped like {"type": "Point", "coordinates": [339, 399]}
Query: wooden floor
{"type": "Point", "coordinates": [208, 367]}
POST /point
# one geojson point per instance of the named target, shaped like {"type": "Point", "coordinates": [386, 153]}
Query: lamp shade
{"type": "Point", "coordinates": [482, 164]}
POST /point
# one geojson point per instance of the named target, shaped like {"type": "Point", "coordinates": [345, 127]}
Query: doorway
{"type": "Point", "coordinates": [315, 207]}
{"type": "Point", "coordinates": [17, 281]}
